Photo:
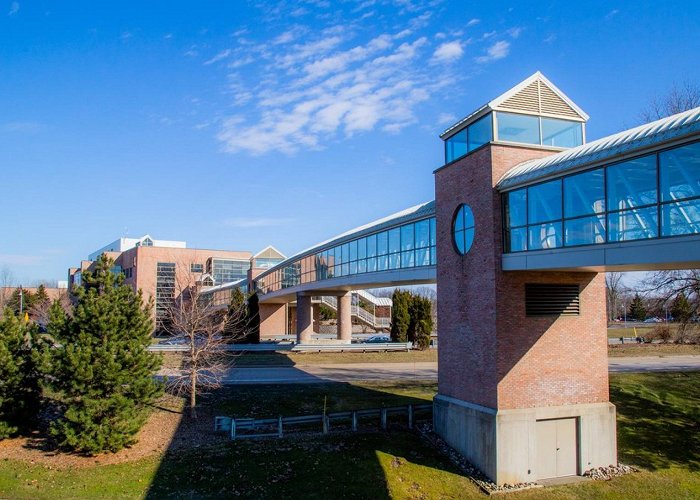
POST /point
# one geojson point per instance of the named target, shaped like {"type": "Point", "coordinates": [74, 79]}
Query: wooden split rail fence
{"type": "Point", "coordinates": [240, 428]}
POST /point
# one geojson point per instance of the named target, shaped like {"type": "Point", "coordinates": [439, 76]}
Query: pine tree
{"type": "Point", "coordinates": [637, 310]}
{"type": "Point", "coordinates": [242, 319]}
{"type": "Point", "coordinates": [681, 309]}
{"type": "Point", "coordinates": [20, 301]}
{"type": "Point", "coordinates": [41, 296]}
{"type": "Point", "coordinates": [421, 323]}
{"type": "Point", "coordinates": [253, 319]}
{"type": "Point", "coordinates": [400, 316]}
{"type": "Point", "coordinates": [103, 370]}
{"type": "Point", "coordinates": [19, 377]}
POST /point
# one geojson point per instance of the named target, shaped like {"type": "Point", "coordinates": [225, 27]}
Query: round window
{"type": "Point", "coordinates": [463, 229]}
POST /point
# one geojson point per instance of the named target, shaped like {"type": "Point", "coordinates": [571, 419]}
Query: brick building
{"type": "Point", "coordinates": [162, 268]}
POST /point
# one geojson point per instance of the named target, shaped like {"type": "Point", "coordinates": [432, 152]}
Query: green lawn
{"type": "Point", "coordinates": [658, 429]}
{"type": "Point", "coordinates": [634, 349]}
{"type": "Point", "coordinates": [641, 331]}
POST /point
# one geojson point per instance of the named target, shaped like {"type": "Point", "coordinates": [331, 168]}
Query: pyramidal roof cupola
{"type": "Point", "coordinates": [534, 112]}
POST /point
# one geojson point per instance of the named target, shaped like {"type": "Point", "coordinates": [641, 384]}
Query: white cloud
{"type": "Point", "coordinates": [473, 22]}
{"type": "Point", "coordinates": [218, 57]}
{"type": "Point", "coordinates": [446, 118]}
{"type": "Point", "coordinates": [126, 35]}
{"type": "Point", "coordinates": [20, 260]}
{"type": "Point", "coordinates": [254, 222]}
{"type": "Point", "coordinates": [551, 38]}
{"type": "Point", "coordinates": [14, 9]}
{"type": "Point", "coordinates": [285, 37]}
{"type": "Point", "coordinates": [515, 32]}
{"type": "Point", "coordinates": [498, 50]}
{"type": "Point", "coordinates": [448, 52]}
{"type": "Point", "coordinates": [308, 93]}
{"type": "Point", "coordinates": [611, 14]}
{"type": "Point", "coordinates": [21, 127]}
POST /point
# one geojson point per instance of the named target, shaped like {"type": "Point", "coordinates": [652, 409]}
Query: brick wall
{"type": "Point", "coordinates": [491, 353]}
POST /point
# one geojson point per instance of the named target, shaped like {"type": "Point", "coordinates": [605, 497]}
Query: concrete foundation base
{"type": "Point", "coordinates": [503, 444]}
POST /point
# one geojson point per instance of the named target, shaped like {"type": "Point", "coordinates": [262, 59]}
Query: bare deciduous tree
{"type": "Point", "coordinates": [614, 289]}
{"type": "Point", "coordinates": [204, 328]}
{"type": "Point", "coordinates": [669, 284]}
{"type": "Point", "coordinates": [681, 97]}
{"type": "Point", "coordinates": [6, 283]}
{"type": "Point", "coordinates": [39, 310]}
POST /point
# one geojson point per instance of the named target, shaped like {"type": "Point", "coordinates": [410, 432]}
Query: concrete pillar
{"type": "Point", "coordinates": [305, 324]}
{"type": "Point", "coordinates": [345, 317]}
{"type": "Point", "coordinates": [504, 375]}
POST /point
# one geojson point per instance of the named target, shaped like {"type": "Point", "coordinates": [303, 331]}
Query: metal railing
{"type": "Point", "coordinates": [242, 428]}
{"type": "Point", "coordinates": [289, 346]}
{"type": "Point", "coordinates": [362, 347]}
{"type": "Point", "coordinates": [357, 311]}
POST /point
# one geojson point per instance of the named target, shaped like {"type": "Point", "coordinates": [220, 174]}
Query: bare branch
{"type": "Point", "coordinates": [681, 97]}
{"type": "Point", "coordinates": [205, 329]}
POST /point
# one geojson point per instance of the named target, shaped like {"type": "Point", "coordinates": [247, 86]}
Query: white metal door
{"type": "Point", "coordinates": [556, 448]}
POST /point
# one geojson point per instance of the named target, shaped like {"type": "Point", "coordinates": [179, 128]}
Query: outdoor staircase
{"type": "Point", "coordinates": [362, 315]}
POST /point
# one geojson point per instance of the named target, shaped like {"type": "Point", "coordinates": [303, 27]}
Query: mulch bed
{"type": "Point", "coordinates": [167, 428]}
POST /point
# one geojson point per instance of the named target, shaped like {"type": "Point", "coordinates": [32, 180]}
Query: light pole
{"type": "Point", "coordinates": [624, 311]}
{"type": "Point", "coordinates": [21, 301]}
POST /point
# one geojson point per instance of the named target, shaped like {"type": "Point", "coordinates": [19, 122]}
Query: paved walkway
{"type": "Point", "coordinates": [425, 370]}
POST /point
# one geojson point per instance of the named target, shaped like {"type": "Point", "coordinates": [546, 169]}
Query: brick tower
{"type": "Point", "coordinates": [523, 374]}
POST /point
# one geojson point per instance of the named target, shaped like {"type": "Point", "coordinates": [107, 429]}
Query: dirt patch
{"type": "Point", "coordinates": [167, 428]}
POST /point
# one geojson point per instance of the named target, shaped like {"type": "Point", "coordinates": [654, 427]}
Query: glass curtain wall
{"type": "Point", "coordinates": [227, 270]}
{"type": "Point", "coordinates": [468, 139]}
{"type": "Point", "coordinates": [165, 289]}
{"type": "Point", "coordinates": [531, 129]}
{"type": "Point", "coordinates": [651, 196]}
{"type": "Point", "coordinates": [406, 246]}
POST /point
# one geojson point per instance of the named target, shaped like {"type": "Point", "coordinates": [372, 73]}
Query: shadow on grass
{"type": "Point", "coordinates": [264, 358]}
{"type": "Point", "coordinates": [200, 463]}
{"type": "Point", "coordinates": [658, 419]}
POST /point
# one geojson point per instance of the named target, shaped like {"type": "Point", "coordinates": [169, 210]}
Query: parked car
{"type": "Point", "coordinates": [653, 320]}
{"type": "Point", "coordinates": [377, 339]}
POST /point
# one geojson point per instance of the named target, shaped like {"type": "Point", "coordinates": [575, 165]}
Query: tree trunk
{"type": "Point", "coordinates": [193, 393]}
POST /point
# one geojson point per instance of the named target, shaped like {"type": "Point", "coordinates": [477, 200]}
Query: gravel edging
{"type": "Point", "coordinates": [609, 472]}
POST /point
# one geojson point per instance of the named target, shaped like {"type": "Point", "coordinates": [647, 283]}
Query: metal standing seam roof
{"type": "Point", "coordinates": [657, 132]}
{"type": "Point", "coordinates": [416, 212]}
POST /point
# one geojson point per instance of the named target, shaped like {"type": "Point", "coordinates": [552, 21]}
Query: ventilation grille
{"type": "Point", "coordinates": [552, 104]}
{"type": "Point", "coordinates": [551, 300]}
{"type": "Point", "coordinates": [527, 99]}
{"type": "Point", "coordinates": [539, 98]}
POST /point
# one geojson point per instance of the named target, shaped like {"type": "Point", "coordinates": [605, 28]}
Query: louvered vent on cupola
{"type": "Point", "coordinates": [539, 98]}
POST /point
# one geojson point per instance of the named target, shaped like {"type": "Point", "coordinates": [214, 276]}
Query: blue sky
{"type": "Point", "coordinates": [235, 125]}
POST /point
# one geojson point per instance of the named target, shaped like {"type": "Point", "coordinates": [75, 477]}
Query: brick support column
{"type": "Point", "coordinates": [305, 324]}
{"type": "Point", "coordinates": [345, 317]}
{"type": "Point", "coordinates": [273, 320]}
{"type": "Point", "coordinates": [504, 376]}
